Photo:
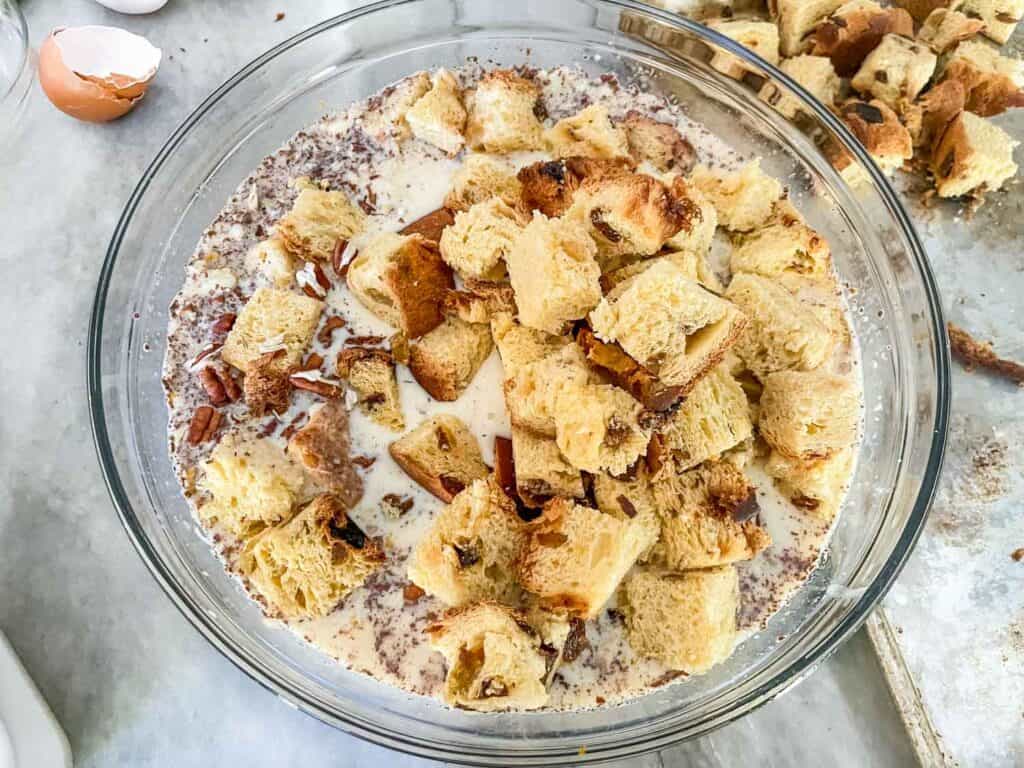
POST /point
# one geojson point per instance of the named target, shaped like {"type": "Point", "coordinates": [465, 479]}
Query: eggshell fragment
{"type": "Point", "coordinates": [96, 73]}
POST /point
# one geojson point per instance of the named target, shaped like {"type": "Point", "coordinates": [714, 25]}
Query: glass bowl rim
{"type": "Point", "coordinates": [26, 48]}
{"type": "Point", "coordinates": [780, 681]}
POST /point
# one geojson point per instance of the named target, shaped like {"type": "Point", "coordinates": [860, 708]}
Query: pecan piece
{"type": "Point", "coordinates": [411, 593]}
{"type": "Point", "coordinates": [224, 323]}
{"type": "Point", "coordinates": [204, 425]}
{"type": "Point", "coordinates": [331, 324]}
{"type": "Point", "coordinates": [220, 385]}
{"type": "Point", "coordinates": [339, 251]}
{"type": "Point", "coordinates": [430, 226]}
{"type": "Point", "coordinates": [316, 384]}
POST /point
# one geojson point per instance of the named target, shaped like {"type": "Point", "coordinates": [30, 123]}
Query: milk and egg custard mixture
{"type": "Point", "coordinates": [514, 388]}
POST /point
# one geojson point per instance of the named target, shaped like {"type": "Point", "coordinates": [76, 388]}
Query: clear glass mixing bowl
{"type": "Point", "coordinates": [895, 311]}
{"type": "Point", "coordinates": [17, 68]}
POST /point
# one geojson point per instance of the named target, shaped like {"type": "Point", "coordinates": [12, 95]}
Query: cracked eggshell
{"type": "Point", "coordinates": [96, 73]}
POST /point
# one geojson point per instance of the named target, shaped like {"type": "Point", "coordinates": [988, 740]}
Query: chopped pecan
{"type": "Point", "coordinates": [224, 323]}
{"type": "Point", "coordinates": [220, 385]}
{"type": "Point", "coordinates": [293, 426]}
{"type": "Point", "coordinates": [313, 281]}
{"type": "Point", "coordinates": [364, 462]}
{"type": "Point", "coordinates": [319, 385]}
{"type": "Point", "coordinates": [339, 251]}
{"type": "Point", "coordinates": [312, 363]}
{"type": "Point", "coordinates": [411, 593]}
{"type": "Point", "coordinates": [204, 425]}
{"type": "Point", "coordinates": [331, 324]}
{"type": "Point", "coordinates": [432, 225]}
{"type": "Point", "coordinates": [361, 341]}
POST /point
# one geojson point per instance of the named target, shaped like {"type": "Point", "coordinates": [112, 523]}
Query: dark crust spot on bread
{"type": "Point", "coordinates": [627, 506]}
{"type": "Point", "coordinates": [348, 532]}
{"type": "Point", "coordinates": [602, 226]}
{"type": "Point", "coordinates": [468, 555]}
{"type": "Point", "coordinates": [866, 112]}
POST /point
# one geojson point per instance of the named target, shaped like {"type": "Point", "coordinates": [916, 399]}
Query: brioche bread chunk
{"type": "Point", "coordinates": [599, 427]}
{"type": "Point", "coordinates": [550, 185]}
{"type": "Point", "coordinates": [879, 129]}
{"type": "Point", "coordinates": [387, 119]}
{"type": "Point", "coordinates": [687, 621]}
{"type": "Point", "coordinates": [477, 243]}
{"type": "Point", "coordinates": [658, 143]}
{"type": "Point", "coordinates": [371, 373]}
{"type": "Point", "coordinates": [252, 484]}
{"type": "Point", "coordinates": [672, 326]}
{"type": "Point", "coordinates": [627, 373]}
{"type": "Point", "coordinates": [445, 360]}
{"type": "Point", "coordinates": [815, 73]}
{"type": "Point", "coordinates": [707, 518]}
{"type": "Point", "coordinates": [438, 116]}
{"type": "Point", "coordinates": [323, 448]}
{"type": "Point", "coordinates": [943, 29]}
{"type": "Point", "coordinates": [781, 333]}
{"type": "Point", "coordinates": [271, 260]}
{"type": "Point", "coordinates": [786, 245]}
{"type": "Point", "coordinates": [927, 118]}
{"type": "Point", "coordinates": [554, 272]}
{"type": "Point", "coordinates": [921, 9]}
{"type": "Point", "coordinates": [401, 279]}
{"type": "Point", "coordinates": [809, 415]}
{"type": "Point", "coordinates": [541, 471]}
{"type": "Point", "coordinates": [519, 345]}
{"type": "Point", "coordinates": [696, 238]}
{"type": "Point", "coordinates": [761, 37]}
{"type": "Point", "coordinates": [796, 20]}
{"type": "Point", "coordinates": [303, 568]}
{"type": "Point", "coordinates": [479, 179]}
{"type": "Point", "coordinates": [272, 320]}
{"type": "Point", "coordinates": [501, 117]}
{"type": "Point", "coordinates": [815, 486]}
{"type": "Point", "coordinates": [318, 219]}
{"type": "Point", "coordinates": [713, 418]}
{"type": "Point", "coordinates": [588, 133]}
{"type": "Point", "coordinates": [972, 156]}
{"type": "Point", "coordinates": [1000, 16]}
{"type": "Point", "coordinates": [898, 69]}
{"type": "Point", "coordinates": [479, 301]}
{"type": "Point", "coordinates": [442, 455]}
{"type": "Point", "coordinates": [469, 551]}
{"type": "Point", "coordinates": [574, 556]}
{"type": "Point", "coordinates": [631, 499]}
{"type": "Point", "coordinates": [743, 200]}
{"type": "Point", "coordinates": [854, 30]}
{"type": "Point", "coordinates": [533, 390]}
{"type": "Point", "coordinates": [494, 659]}
{"type": "Point", "coordinates": [992, 82]}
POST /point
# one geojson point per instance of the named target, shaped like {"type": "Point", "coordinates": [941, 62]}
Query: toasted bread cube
{"type": "Point", "coordinates": [631, 500]}
{"type": "Point", "coordinates": [323, 448]}
{"type": "Point", "coordinates": [921, 9]}
{"type": "Point", "coordinates": [371, 373]}
{"type": "Point", "coordinates": [687, 621]}
{"type": "Point", "coordinates": [554, 272]}
{"type": "Point", "coordinates": [442, 455]}
{"type": "Point", "coordinates": [825, 299]}
{"type": "Point", "coordinates": [519, 345]}
{"type": "Point", "coordinates": [388, 119]}
{"type": "Point", "coordinates": [781, 333]}
{"type": "Point", "coordinates": [318, 219]}
{"type": "Point", "coordinates": [588, 133]}
{"type": "Point", "coordinates": [469, 551]}
{"type": "Point", "coordinates": [549, 186]}
{"type": "Point", "coordinates": [992, 82]}
{"type": "Point", "coordinates": [688, 334]}
{"type": "Point", "coordinates": [402, 280]}
{"type": "Point", "coordinates": [574, 557]}
{"type": "Point", "coordinates": [796, 19]}
{"type": "Point", "coordinates": [785, 246]}
{"type": "Point", "coordinates": [943, 29]}
{"type": "Point", "coordinates": [494, 659]}
{"type": "Point", "coordinates": [479, 179]}
{"type": "Point", "coordinates": [445, 360]}
{"type": "Point", "coordinates": [598, 427]}
{"type": "Point", "coordinates": [972, 156]}
{"type": "Point", "coordinates": [926, 119]}
{"type": "Point", "coordinates": [479, 301]}
{"type": "Point", "coordinates": [303, 568]}
{"type": "Point", "coordinates": [272, 320]}
{"type": "Point", "coordinates": [541, 471]}
{"type": "Point", "coordinates": [815, 73]}
{"type": "Point", "coordinates": [477, 243]}
{"type": "Point", "coordinates": [501, 117]}
{"type": "Point", "coordinates": [809, 415]}
{"type": "Point", "coordinates": [761, 37]}
{"type": "Point", "coordinates": [271, 260]}
{"type": "Point", "coordinates": [743, 200]}
{"type": "Point", "coordinates": [252, 485]}
{"type": "Point", "coordinates": [898, 69]}
{"type": "Point", "coordinates": [714, 418]}
{"type": "Point", "coordinates": [815, 486]}
{"type": "Point", "coordinates": [707, 518]}
{"type": "Point", "coordinates": [879, 129]}
{"type": "Point", "coordinates": [658, 143]}
{"type": "Point", "coordinates": [1000, 16]}
{"type": "Point", "coordinates": [854, 30]}
{"type": "Point", "coordinates": [699, 230]}
{"type": "Point", "coordinates": [438, 116]}
{"type": "Point", "coordinates": [532, 390]}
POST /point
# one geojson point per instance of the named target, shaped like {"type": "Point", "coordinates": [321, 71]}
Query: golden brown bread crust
{"type": "Point", "coordinates": [479, 301]}
{"type": "Point", "coordinates": [878, 128]}
{"type": "Point", "coordinates": [847, 39]}
{"type": "Point", "coordinates": [418, 280]}
{"type": "Point", "coordinates": [548, 186]}
{"type": "Point", "coordinates": [938, 108]}
{"type": "Point", "coordinates": [322, 447]}
{"type": "Point", "coordinates": [628, 373]}
{"type": "Point", "coordinates": [986, 93]}
{"type": "Point", "coordinates": [921, 9]}
{"type": "Point", "coordinates": [979, 354]}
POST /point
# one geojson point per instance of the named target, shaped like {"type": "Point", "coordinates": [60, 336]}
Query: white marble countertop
{"type": "Point", "coordinates": [129, 679]}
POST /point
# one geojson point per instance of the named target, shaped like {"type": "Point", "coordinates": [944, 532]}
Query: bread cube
{"type": "Point", "coordinates": [943, 29]}
{"type": "Point", "coordinates": [501, 116]}
{"type": "Point", "coordinates": [469, 551]}
{"type": "Point", "coordinates": [532, 390]}
{"type": "Point", "coordinates": [815, 486]}
{"type": "Point", "coordinates": [479, 179]}
{"type": "Point", "coordinates": [898, 69]}
{"type": "Point", "coordinates": [809, 415]}
{"type": "Point", "coordinates": [658, 143]}
{"type": "Point", "coordinates": [744, 199]}
{"type": "Point", "coordinates": [479, 301]}
{"type": "Point", "coordinates": [305, 567]}
{"type": "Point", "coordinates": [627, 373]}
{"type": "Point", "coordinates": [318, 219]}
{"type": "Point", "coordinates": [815, 73]}
{"type": "Point", "coordinates": [445, 360]}
{"type": "Point", "coordinates": [972, 156]}
{"type": "Point", "coordinates": [854, 30]}
{"type": "Point", "coordinates": [549, 186]}
{"type": "Point", "coordinates": [402, 280]}
{"type": "Point", "coordinates": [371, 373]}
{"type": "Point", "coordinates": [631, 499]}
{"type": "Point", "coordinates": [921, 9]}
{"type": "Point", "coordinates": [879, 129]}
{"type": "Point", "coordinates": [588, 133]}
{"type": "Point", "coordinates": [323, 448]}
{"type": "Point", "coordinates": [477, 243]}
{"type": "Point", "coordinates": [785, 246]}
{"type": "Point", "coordinates": [541, 471]}
{"type": "Point", "coordinates": [927, 118]}
{"type": "Point", "coordinates": [438, 116]}
{"type": "Point", "coordinates": [494, 659]}
{"type": "Point", "coordinates": [519, 345]}
{"type": "Point", "coordinates": [687, 621]}
{"type": "Point", "coordinates": [272, 320]}
{"type": "Point", "coordinates": [387, 119]}
{"type": "Point", "coordinates": [1000, 16]}
{"type": "Point", "coordinates": [574, 556]}
{"type": "Point", "coordinates": [599, 427]}
{"type": "Point", "coordinates": [554, 272]}
{"type": "Point", "coordinates": [252, 484]}
{"type": "Point", "coordinates": [712, 419]}
{"type": "Point", "coordinates": [687, 335]}
{"type": "Point", "coordinates": [442, 455]}
{"type": "Point", "coordinates": [760, 37]}
{"type": "Point", "coordinates": [796, 19]}
{"type": "Point", "coordinates": [271, 260]}
{"type": "Point", "coordinates": [781, 333]}
{"type": "Point", "coordinates": [992, 82]}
